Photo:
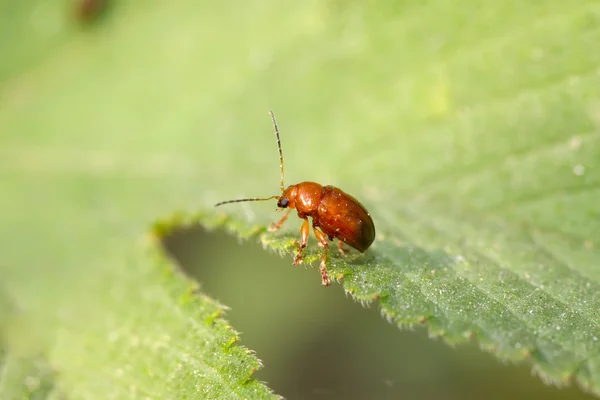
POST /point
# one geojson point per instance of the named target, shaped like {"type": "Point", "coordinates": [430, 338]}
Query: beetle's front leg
{"type": "Point", "coordinates": [276, 225]}
{"type": "Point", "coordinates": [304, 231]}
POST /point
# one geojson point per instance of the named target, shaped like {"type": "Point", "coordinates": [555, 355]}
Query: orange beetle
{"type": "Point", "coordinates": [334, 213]}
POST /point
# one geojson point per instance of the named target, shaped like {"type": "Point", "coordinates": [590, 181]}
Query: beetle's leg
{"type": "Point", "coordinates": [276, 225]}
{"type": "Point", "coordinates": [323, 240]}
{"type": "Point", "coordinates": [341, 248]}
{"type": "Point", "coordinates": [304, 231]}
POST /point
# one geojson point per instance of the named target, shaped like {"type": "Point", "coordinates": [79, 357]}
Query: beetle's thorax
{"type": "Point", "coordinates": [304, 196]}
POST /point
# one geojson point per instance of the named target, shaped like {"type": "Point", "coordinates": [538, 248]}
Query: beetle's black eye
{"type": "Point", "coordinates": [283, 202]}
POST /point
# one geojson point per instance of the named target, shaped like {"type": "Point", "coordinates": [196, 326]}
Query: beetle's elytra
{"type": "Point", "coordinates": [334, 213]}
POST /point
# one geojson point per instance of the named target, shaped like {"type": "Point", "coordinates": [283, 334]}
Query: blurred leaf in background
{"type": "Point", "coordinates": [469, 131]}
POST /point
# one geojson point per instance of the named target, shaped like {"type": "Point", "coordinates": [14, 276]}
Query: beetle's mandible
{"type": "Point", "coordinates": [334, 213]}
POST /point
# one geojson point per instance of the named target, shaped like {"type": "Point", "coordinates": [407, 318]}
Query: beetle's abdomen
{"type": "Point", "coordinates": [343, 217]}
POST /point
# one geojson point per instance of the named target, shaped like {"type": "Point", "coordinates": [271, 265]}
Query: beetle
{"type": "Point", "coordinates": [335, 215]}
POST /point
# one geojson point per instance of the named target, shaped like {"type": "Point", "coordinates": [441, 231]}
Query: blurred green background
{"type": "Point", "coordinates": [154, 107]}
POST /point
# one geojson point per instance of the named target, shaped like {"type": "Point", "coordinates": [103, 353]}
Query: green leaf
{"type": "Point", "coordinates": [154, 335]}
{"type": "Point", "coordinates": [470, 132]}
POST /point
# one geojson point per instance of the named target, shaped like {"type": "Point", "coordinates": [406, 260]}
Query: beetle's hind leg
{"type": "Point", "coordinates": [304, 231]}
{"type": "Point", "coordinates": [342, 249]}
{"type": "Point", "coordinates": [323, 266]}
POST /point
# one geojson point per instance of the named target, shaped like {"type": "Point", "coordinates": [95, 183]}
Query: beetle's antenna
{"type": "Point", "coordinates": [242, 200]}
{"type": "Point", "coordinates": [278, 147]}
{"type": "Point", "coordinates": [280, 165]}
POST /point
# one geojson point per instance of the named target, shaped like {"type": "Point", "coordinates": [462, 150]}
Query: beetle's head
{"type": "Point", "coordinates": [288, 198]}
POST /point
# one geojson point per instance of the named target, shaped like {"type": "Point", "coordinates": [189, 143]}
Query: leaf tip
{"type": "Point", "coordinates": [233, 340]}
{"type": "Point", "coordinates": [470, 335]}
{"type": "Point", "coordinates": [163, 227]}
{"type": "Point", "coordinates": [525, 354]}
{"type": "Point", "coordinates": [210, 320]}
